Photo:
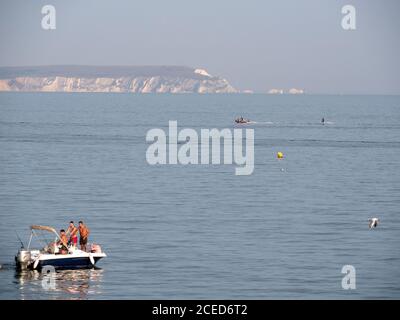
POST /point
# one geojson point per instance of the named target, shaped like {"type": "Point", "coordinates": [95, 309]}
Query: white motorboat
{"type": "Point", "coordinates": [52, 254]}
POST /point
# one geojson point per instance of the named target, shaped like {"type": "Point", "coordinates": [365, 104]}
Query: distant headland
{"type": "Point", "coordinates": [134, 79]}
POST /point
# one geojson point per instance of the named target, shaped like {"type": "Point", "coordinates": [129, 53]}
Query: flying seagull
{"type": "Point", "coordinates": [373, 222]}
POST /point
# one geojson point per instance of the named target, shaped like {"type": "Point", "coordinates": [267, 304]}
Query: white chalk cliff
{"type": "Point", "coordinates": [150, 79]}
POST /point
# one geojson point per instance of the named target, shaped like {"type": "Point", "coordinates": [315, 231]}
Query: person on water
{"type": "Point", "coordinates": [62, 243]}
{"type": "Point", "coordinates": [73, 232]}
{"type": "Point", "coordinates": [84, 234]}
{"type": "Point", "coordinates": [323, 121]}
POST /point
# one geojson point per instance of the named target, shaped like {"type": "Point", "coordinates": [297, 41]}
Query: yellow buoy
{"type": "Point", "coordinates": [279, 155]}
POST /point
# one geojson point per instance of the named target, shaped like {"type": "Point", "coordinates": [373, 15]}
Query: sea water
{"type": "Point", "coordinates": [200, 231]}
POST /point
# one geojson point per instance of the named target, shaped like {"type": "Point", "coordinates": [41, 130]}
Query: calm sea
{"type": "Point", "coordinates": [200, 231]}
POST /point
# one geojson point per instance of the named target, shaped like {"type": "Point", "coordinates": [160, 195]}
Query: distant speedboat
{"type": "Point", "coordinates": [52, 255]}
{"type": "Point", "coordinates": [242, 120]}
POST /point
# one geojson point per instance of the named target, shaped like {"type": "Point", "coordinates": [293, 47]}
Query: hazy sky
{"type": "Point", "coordinates": [254, 44]}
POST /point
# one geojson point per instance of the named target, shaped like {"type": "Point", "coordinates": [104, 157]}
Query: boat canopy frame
{"type": "Point", "coordinates": [43, 228]}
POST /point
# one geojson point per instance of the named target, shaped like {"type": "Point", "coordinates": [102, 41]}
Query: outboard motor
{"type": "Point", "coordinates": [23, 258]}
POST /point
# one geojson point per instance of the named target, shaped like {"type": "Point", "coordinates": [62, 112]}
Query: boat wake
{"type": "Point", "coordinates": [263, 122]}
{"type": "Point", "coordinates": [257, 122]}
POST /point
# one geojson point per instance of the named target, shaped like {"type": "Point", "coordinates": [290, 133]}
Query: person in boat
{"type": "Point", "coordinates": [323, 120]}
{"type": "Point", "coordinates": [63, 242]}
{"type": "Point", "coordinates": [73, 234]}
{"type": "Point", "coordinates": [84, 234]}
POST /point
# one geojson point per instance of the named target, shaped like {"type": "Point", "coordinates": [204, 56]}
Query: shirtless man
{"type": "Point", "coordinates": [84, 234]}
{"type": "Point", "coordinates": [63, 242]}
{"type": "Point", "coordinates": [73, 232]}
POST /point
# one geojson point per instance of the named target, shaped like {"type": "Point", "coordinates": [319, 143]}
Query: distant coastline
{"type": "Point", "coordinates": [134, 79]}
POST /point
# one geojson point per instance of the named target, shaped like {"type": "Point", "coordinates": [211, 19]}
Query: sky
{"type": "Point", "coordinates": [254, 44]}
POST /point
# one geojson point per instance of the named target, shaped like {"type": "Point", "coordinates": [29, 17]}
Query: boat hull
{"type": "Point", "coordinates": [67, 263]}
{"type": "Point", "coordinates": [33, 260]}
